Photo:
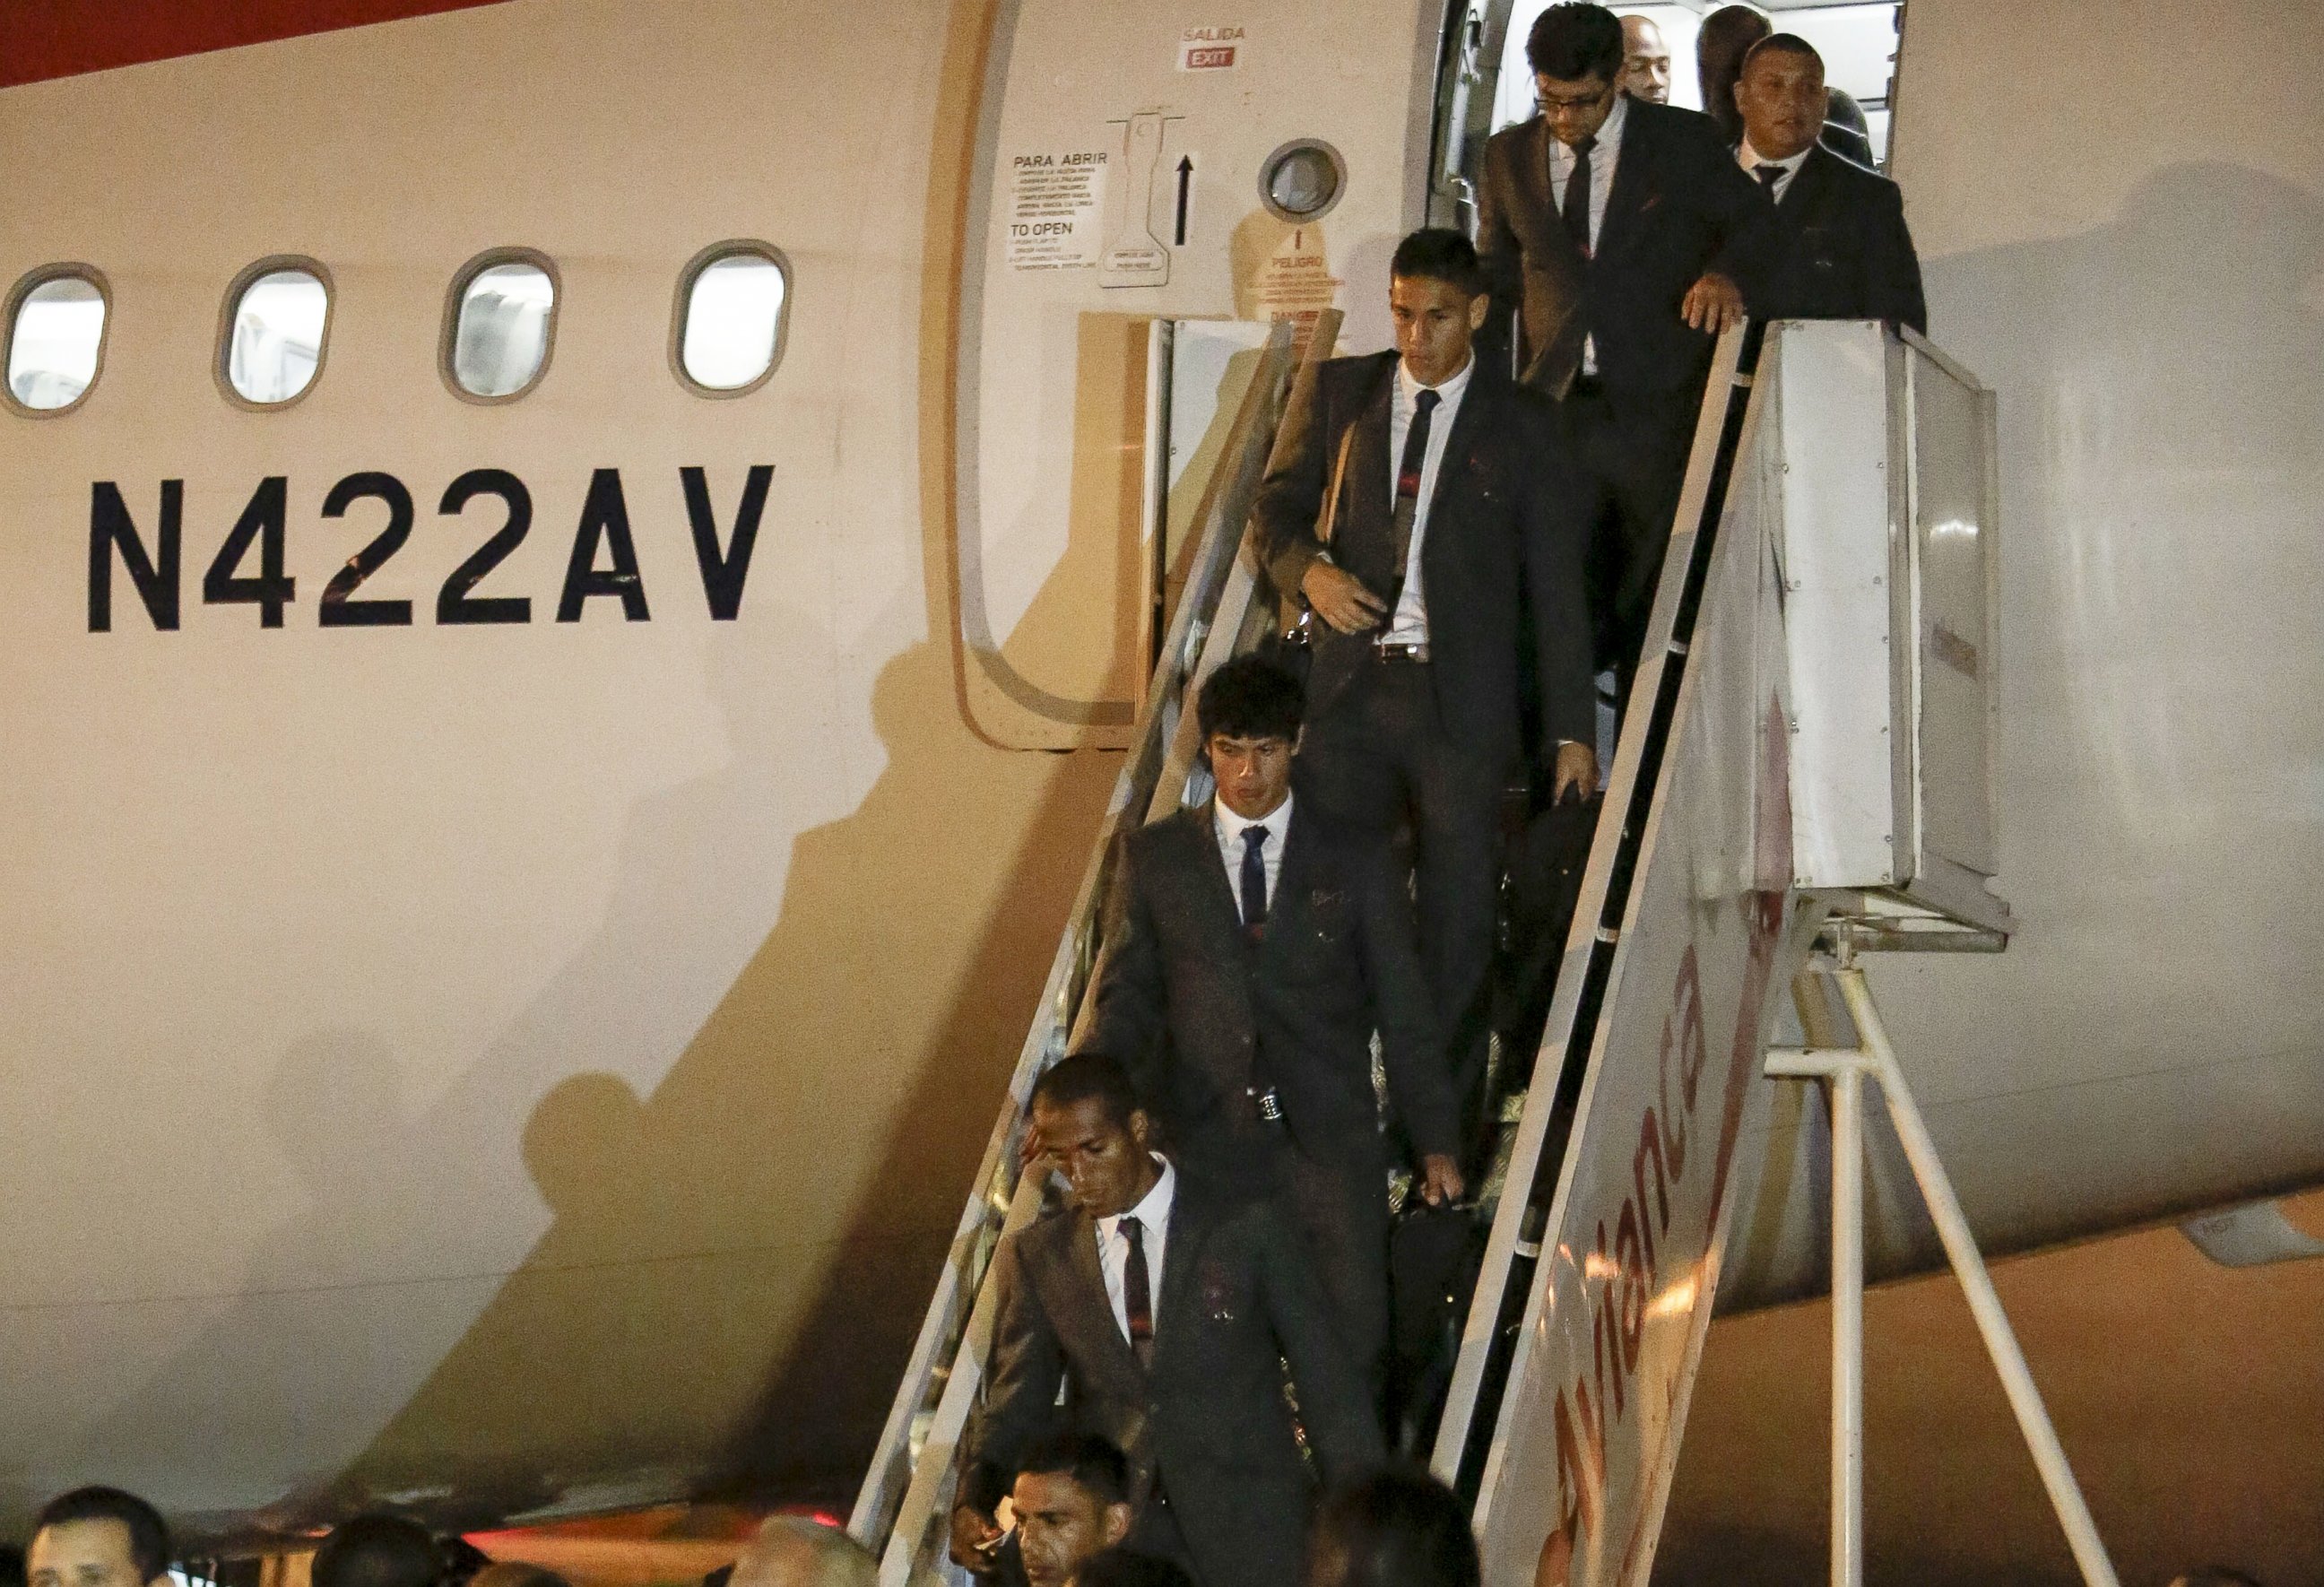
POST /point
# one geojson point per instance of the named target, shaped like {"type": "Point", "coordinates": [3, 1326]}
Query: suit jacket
{"type": "Point", "coordinates": [1679, 207]}
{"type": "Point", "coordinates": [1501, 530]}
{"type": "Point", "coordinates": [1205, 1422]}
{"type": "Point", "coordinates": [1843, 251]}
{"type": "Point", "coordinates": [1198, 1013]}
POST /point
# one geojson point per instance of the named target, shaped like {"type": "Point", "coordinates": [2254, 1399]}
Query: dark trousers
{"type": "Point", "coordinates": [1377, 759]}
{"type": "Point", "coordinates": [1630, 455]}
{"type": "Point", "coordinates": [1342, 1206]}
{"type": "Point", "coordinates": [1335, 1196]}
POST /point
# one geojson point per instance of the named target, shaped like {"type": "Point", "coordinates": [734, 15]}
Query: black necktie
{"type": "Point", "coordinates": [1407, 483]}
{"type": "Point", "coordinates": [1577, 195]}
{"type": "Point", "coordinates": [1254, 880]}
{"type": "Point", "coordinates": [1138, 1292]}
{"type": "Point", "coordinates": [1768, 175]}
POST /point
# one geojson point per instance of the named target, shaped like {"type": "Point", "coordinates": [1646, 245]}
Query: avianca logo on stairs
{"type": "Point", "coordinates": [1625, 1285]}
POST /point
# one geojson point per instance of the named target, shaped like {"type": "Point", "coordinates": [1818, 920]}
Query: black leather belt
{"type": "Point", "coordinates": [1401, 655]}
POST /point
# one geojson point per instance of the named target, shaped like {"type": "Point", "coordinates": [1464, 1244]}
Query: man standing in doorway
{"type": "Point", "coordinates": [1843, 251]}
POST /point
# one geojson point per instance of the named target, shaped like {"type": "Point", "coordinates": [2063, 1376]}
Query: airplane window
{"type": "Point", "coordinates": [1301, 181]}
{"type": "Point", "coordinates": [274, 332]}
{"type": "Point", "coordinates": [503, 315]}
{"type": "Point", "coordinates": [730, 318]}
{"type": "Point", "coordinates": [56, 337]}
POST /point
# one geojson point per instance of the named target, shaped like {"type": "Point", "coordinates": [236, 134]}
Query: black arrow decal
{"type": "Point", "coordinates": [1185, 182]}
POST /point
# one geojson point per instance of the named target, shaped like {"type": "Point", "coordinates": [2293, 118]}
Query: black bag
{"type": "Point", "coordinates": [1434, 1255]}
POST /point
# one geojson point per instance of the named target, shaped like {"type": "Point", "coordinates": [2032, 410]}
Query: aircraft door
{"type": "Point", "coordinates": [1132, 166]}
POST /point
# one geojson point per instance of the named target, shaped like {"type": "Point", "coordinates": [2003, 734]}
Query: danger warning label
{"type": "Point", "coordinates": [1055, 203]}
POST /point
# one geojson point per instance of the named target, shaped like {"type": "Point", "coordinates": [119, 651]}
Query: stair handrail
{"type": "Point", "coordinates": [904, 1503]}
{"type": "Point", "coordinates": [1513, 1248]}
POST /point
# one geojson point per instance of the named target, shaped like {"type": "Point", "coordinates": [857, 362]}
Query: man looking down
{"type": "Point", "coordinates": [1622, 237]}
{"type": "Point", "coordinates": [1449, 593]}
{"type": "Point", "coordinates": [1161, 1315]}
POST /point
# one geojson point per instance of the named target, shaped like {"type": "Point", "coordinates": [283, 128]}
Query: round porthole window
{"type": "Point", "coordinates": [1301, 181]}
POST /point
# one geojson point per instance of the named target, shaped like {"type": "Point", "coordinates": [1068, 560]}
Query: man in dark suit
{"type": "Point", "coordinates": [1726, 36]}
{"type": "Point", "coordinates": [1622, 238]}
{"type": "Point", "coordinates": [1159, 1313]}
{"type": "Point", "coordinates": [1251, 948]}
{"type": "Point", "coordinates": [1843, 251]}
{"type": "Point", "coordinates": [1420, 505]}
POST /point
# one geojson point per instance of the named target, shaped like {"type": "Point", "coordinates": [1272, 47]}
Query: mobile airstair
{"type": "Point", "coordinates": [1805, 760]}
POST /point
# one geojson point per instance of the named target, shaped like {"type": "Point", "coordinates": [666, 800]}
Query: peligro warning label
{"type": "Point", "coordinates": [1056, 203]}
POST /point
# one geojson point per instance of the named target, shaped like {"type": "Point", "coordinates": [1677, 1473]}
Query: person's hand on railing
{"type": "Point", "coordinates": [1340, 598]}
{"type": "Point", "coordinates": [1713, 304]}
{"type": "Point", "coordinates": [975, 1537]}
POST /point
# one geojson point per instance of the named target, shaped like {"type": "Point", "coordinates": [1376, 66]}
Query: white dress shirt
{"type": "Point", "coordinates": [1231, 828]}
{"type": "Point", "coordinates": [1752, 160]}
{"type": "Point", "coordinates": [1408, 624]}
{"type": "Point", "coordinates": [1153, 1215]}
{"type": "Point", "coordinates": [1603, 154]}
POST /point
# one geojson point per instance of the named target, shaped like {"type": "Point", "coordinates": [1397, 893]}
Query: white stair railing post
{"type": "Point", "coordinates": [1843, 1070]}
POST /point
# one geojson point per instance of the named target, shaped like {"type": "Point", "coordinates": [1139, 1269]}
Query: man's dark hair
{"type": "Point", "coordinates": [2214, 1576]}
{"type": "Point", "coordinates": [1719, 46]}
{"type": "Point", "coordinates": [1394, 1527]}
{"type": "Point", "coordinates": [1841, 109]}
{"type": "Point", "coordinates": [1084, 1077]}
{"type": "Point", "coordinates": [1575, 40]}
{"type": "Point", "coordinates": [378, 1550]}
{"type": "Point", "coordinates": [1251, 698]}
{"type": "Point", "coordinates": [1122, 1568]}
{"type": "Point", "coordinates": [149, 1536]}
{"type": "Point", "coordinates": [1438, 252]}
{"type": "Point", "coordinates": [1094, 1465]}
{"type": "Point", "coordinates": [1779, 45]}
{"type": "Point", "coordinates": [1731, 28]}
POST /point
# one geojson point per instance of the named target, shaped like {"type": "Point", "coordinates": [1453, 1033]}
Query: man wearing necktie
{"type": "Point", "coordinates": [1450, 592]}
{"type": "Point", "coordinates": [1621, 238]}
{"type": "Point", "coordinates": [1158, 1311]}
{"type": "Point", "coordinates": [1842, 250]}
{"type": "Point", "coordinates": [1251, 948]}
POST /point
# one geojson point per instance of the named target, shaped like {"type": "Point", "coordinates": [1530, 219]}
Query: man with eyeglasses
{"type": "Point", "coordinates": [1623, 237]}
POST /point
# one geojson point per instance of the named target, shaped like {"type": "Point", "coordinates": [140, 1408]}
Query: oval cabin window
{"type": "Point", "coordinates": [279, 317]}
{"type": "Point", "coordinates": [730, 330]}
{"type": "Point", "coordinates": [504, 313]}
{"type": "Point", "coordinates": [56, 337]}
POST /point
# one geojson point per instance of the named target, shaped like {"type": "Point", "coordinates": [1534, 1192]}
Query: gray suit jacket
{"type": "Point", "coordinates": [1678, 205]}
{"type": "Point", "coordinates": [1207, 1423]}
{"type": "Point", "coordinates": [1198, 1014]}
{"type": "Point", "coordinates": [1502, 537]}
